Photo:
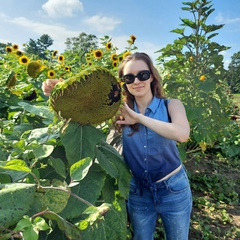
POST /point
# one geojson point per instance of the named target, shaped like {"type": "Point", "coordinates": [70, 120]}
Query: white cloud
{"type": "Point", "coordinates": [62, 8]}
{"type": "Point", "coordinates": [102, 24]}
{"type": "Point", "coordinates": [56, 32]}
{"type": "Point", "coordinates": [220, 19]}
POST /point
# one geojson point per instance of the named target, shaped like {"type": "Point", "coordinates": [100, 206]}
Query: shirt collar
{"type": "Point", "coordinates": [152, 106]}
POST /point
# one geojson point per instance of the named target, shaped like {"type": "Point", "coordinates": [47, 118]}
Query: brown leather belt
{"type": "Point", "coordinates": [170, 174]}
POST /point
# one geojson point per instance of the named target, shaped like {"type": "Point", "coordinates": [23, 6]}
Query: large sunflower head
{"type": "Point", "coordinates": [90, 97]}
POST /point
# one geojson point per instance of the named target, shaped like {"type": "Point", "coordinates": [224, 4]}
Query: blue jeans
{"type": "Point", "coordinates": [170, 199]}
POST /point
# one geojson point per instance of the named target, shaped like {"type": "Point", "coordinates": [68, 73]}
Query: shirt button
{"type": "Point", "coordinates": [145, 159]}
{"type": "Point", "coordinates": [145, 146]}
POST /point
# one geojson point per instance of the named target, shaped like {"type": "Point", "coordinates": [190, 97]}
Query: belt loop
{"type": "Point", "coordinates": [166, 184]}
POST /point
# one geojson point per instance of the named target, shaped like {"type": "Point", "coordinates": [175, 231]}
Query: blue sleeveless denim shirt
{"type": "Point", "coordinates": [149, 155]}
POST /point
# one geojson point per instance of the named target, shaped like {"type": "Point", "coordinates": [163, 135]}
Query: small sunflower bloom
{"type": "Point", "coordinates": [68, 69]}
{"type": "Point", "coordinates": [51, 74]}
{"type": "Point", "coordinates": [108, 45]}
{"type": "Point", "coordinates": [60, 58]}
{"type": "Point", "coordinates": [54, 54]}
{"type": "Point", "coordinates": [132, 39]}
{"type": "Point", "coordinates": [89, 63]}
{"type": "Point", "coordinates": [120, 58]}
{"type": "Point", "coordinates": [19, 53]}
{"type": "Point", "coordinates": [8, 49]}
{"type": "Point", "coordinates": [114, 63]}
{"type": "Point", "coordinates": [126, 54]}
{"type": "Point", "coordinates": [24, 60]}
{"type": "Point", "coordinates": [98, 53]}
{"type": "Point", "coordinates": [88, 58]}
{"type": "Point", "coordinates": [15, 47]}
{"type": "Point", "coordinates": [87, 55]}
{"type": "Point", "coordinates": [191, 59]}
{"type": "Point", "coordinates": [114, 57]}
{"type": "Point", "coordinates": [202, 78]}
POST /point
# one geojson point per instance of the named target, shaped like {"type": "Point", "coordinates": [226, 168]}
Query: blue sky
{"type": "Point", "coordinates": [150, 21]}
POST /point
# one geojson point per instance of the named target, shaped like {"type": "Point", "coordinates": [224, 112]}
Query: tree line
{"type": "Point", "coordinates": [84, 43]}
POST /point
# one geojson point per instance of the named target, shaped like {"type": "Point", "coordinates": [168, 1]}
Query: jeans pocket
{"type": "Point", "coordinates": [180, 185]}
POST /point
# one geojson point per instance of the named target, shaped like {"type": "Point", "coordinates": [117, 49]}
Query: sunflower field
{"type": "Point", "coordinates": [60, 178]}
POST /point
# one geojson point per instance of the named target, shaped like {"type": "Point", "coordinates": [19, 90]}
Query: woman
{"type": "Point", "coordinates": [159, 186]}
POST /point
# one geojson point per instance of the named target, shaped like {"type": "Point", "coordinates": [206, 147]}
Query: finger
{"type": "Point", "coordinates": [52, 82]}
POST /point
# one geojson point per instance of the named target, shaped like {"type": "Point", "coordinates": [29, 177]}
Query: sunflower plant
{"type": "Point", "coordinates": [68, 181]}
{"type": "Point", "coordinates": [108, 55]}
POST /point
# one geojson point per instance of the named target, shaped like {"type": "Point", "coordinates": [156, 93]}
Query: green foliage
{"type": "Point", "coordinates": [77, 47]}
{"type": "Point", "coordinates": [233, 75]}
{"type": "Point", "coordinates": [194, 72]}
{"type": "Point", "coordinates": [12, 211]}
{"type": "Point", "coordinates": [58, 171]}
{"type": "Point", "coordinates": [38, 47]}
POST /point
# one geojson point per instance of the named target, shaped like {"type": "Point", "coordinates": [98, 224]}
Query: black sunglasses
{"type": "Point", "coordinates": [142, 76]}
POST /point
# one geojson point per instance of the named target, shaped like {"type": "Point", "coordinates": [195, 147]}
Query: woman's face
{"type": "Point", "coordinates": [138, 88]}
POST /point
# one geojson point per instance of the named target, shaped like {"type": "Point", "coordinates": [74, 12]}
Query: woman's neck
{"type": "Point", "coordinates": [143, 102]}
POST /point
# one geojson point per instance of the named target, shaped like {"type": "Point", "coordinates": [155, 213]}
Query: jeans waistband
{"type": "Point", "coordinates": [170, 174]}
{"type": "Point", "coordinates": [162, 183]}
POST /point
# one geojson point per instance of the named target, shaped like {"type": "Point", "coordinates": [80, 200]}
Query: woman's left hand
{"type": "Point", "coordinates": [129, 117]}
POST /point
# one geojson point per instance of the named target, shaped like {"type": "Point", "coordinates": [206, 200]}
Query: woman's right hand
{"type": "Point", "coordinates": [48, 85]}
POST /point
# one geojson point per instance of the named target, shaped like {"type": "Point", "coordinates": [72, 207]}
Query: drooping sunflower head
{"type": "Point", "coordinates": [11, 80]}
{"type": "Point", "coordinates": [132, 39]}
{"type": "Point", "coordinates": [90, 97]}
{"type": "Point", "coordinates": [34, 68]}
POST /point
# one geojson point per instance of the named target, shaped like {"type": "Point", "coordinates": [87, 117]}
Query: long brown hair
{"type": "Point", "coordinates": [156, 87]}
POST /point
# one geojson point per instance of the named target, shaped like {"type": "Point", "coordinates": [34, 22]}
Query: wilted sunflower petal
{"type": "Point", "coordinates": [34, 69]}
{"type": "Point", "coordinates": [90, 97]}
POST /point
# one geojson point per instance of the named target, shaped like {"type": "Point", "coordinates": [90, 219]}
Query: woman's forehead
{"type": "Point", "coordinates": [135, 66]}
